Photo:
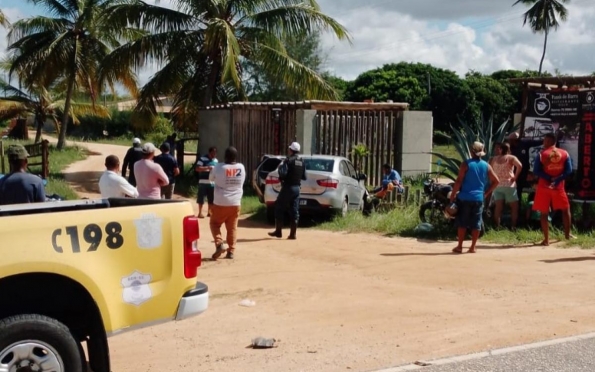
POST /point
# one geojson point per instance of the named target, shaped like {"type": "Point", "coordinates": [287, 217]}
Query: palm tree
{"type": "Point", "coordinates": [3, 20]}
{"type": "Point", "coordinates": [69, 45]}
{"type": "Point", "coordinates": [42, 105]}
{"type": "Point", "coordinates": [201, 45]}
{"type": "Point", "coordinates": [542, 17]}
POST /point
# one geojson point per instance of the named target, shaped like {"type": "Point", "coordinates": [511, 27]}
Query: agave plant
{"type": "Point", "coordinates": [462, 138]}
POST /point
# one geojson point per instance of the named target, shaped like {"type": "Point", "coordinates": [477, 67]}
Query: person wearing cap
{"type": "Point", "coordinates": [169, 164]}
{"type": "Point", "coordinates": [204, 166]}
{"type": "Point", "coordinates": [20, 187]}
{"type": "Point", "coordinates": [470, 193]}
{"type": "Point", "coordinates": [150, 177]}
{"type": "Point", "coordinates": [111, 184]}
{"type": "Point", "coordinates": [552, 166]}
{"type": "Point", "coordinates": [133, 155]}
{"type": "Point", "coordinates": [292, 171]}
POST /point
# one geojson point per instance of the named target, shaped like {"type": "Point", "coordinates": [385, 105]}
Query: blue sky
{"type": "Point", "coordinates": [460, 35]}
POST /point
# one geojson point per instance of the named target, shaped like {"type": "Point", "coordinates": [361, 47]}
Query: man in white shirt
{"type": "Point", "coordinates": [111, 184]}
{"type": "Point", "coordinates": [228, 178]}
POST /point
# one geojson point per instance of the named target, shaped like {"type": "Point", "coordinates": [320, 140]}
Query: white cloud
{"type": "Point", "coordinates": [12, 14]}
{"type": "Point", "coordinates": [497, 40]}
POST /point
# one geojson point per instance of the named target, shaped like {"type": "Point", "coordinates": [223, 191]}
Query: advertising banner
{"type": "Point", "coordinates": [570, 115]}
{"type": "Point", "coordinates": [553, 112]}
{"type": "Point", "coordinates": [586, 173]}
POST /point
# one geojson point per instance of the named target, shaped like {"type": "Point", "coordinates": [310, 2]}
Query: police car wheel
{"type": "Point", "coordinates": [344, 208]}
{"type": "Point", "coordinates": [38, 343]}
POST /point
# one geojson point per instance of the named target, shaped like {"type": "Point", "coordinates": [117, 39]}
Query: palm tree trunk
{"type": "Point", "coordinates": [544, 50]}
{"type": "Point", "coordinates": [66, 117]}
{"type": "Point", "coordinates": [39, 123]}
{"type": "Point", "coordinates": [68, 99]}
{"type": "Point", "coordinates": [211, 83]}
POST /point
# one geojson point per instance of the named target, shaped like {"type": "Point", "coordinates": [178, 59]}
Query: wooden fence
{"type": "Point", "coordinates": [256, 131]}
{"type": "Point", "coordinates": [338, 131]}
{"type": "Point", "coordinates": [38, 156]}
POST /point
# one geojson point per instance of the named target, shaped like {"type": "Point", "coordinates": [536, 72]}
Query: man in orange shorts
{"type": "Point", "coordinates": [552, 166]}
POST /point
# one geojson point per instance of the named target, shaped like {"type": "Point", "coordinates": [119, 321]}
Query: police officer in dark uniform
{"type": "Point", "coordinates": [291, 173]}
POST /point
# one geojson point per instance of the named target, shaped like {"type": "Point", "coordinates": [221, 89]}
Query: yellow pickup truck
{"type": "Point", "coordinates": [76, 272]}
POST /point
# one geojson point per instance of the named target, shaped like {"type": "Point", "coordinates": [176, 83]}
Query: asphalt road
{"type": "Point", "coordinates": [573, 356]}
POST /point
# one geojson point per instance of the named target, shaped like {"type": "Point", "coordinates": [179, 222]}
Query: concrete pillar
{"type": "Point", "coordinates": [214, 130]}
{"type": "Point", "coordinates": [305, 124]}
{"type": "Point", "coordinates": [415, 143]}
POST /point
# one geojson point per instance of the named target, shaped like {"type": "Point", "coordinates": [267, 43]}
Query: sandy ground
{"type": "Point", "coordinates": [354, 302]}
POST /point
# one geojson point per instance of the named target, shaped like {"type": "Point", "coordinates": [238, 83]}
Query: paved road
{"type": "Point", "coordinates": [572, 356]}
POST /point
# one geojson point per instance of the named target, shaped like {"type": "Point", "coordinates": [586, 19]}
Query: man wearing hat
{"type": "Point", "coordinates": [20, 187]}
{"type": "Point", "coordinates": [150, 177]}
{"type": "Point", "coordinates": [470, 186]}
{"type": "Point", "coordinates": [169, 164]}
{"type": "Point", "coordinates": [133, 155]}
{"type": "Point", "coordinates": [292, 171]}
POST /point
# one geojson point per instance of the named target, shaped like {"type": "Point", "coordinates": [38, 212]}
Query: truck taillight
{"type": "Point", "coordinates": [271, 180]}
{"type": "Point", "coordinates": [192, 255]}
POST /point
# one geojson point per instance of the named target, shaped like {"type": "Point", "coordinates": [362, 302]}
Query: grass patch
{"type": "Point", "coordinates": [59, 160]}
{"type": "Point", "coordinates": [402, 222]}
{"type": "Point", "coordinates": [445, 150]}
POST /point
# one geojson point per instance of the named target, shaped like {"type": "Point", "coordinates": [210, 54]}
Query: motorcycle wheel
{"type": "Point", "coordinates": [427, 212]}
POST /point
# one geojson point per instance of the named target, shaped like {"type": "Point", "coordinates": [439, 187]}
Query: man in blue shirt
{"type": "Point", "coordinates": [470, 186]}
{"type": "Point", "coordinates": [390, 176]}
{"type": "Point", "coordinates": [171, 169]}
{"type": "Point", "coordinates": [20, 187]}
{"type": "Point", "coordinates": [206, 189]}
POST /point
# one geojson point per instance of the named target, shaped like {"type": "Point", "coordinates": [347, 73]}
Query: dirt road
{"type": "Point", "coordinates": [83, 176]}
{"type": "Point", "coordinates": [345, 302]}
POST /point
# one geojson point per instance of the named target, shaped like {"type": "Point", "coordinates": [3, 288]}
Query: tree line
{"type": "Point", "coordinates": [217, 51]}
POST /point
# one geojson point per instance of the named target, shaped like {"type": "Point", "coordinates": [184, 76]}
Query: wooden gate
{"type": "Point", "coordinates": [337, 132]}
{"type": "Point", "coordinates": [261, 129]}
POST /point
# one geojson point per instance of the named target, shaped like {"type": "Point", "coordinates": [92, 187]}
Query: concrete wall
{"type": "Point", "coordinates": [305, 121]}
{"type": "Point", "coordinates": [214, 130]}
{"type": "Point", "coordinates": [416, 143]}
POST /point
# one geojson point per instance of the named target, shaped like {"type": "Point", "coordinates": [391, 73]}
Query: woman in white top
{"type": "Point", "coordinates": [507, 167]}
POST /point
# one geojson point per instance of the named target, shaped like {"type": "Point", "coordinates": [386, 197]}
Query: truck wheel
{"type": "Point", "coordinates": [38, 343]}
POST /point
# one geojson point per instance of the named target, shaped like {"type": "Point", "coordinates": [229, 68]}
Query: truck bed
{"type": "Point", "coordinates": [78, 205]}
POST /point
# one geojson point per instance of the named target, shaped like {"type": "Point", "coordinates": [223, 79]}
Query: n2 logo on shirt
{"type": "Point", "coordinates": [233, 172]}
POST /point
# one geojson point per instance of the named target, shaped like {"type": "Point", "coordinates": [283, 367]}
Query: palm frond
{"type": "Point", "coordinates": [294, 19]}
{"type": "Point", "coordinates": [294, 73]}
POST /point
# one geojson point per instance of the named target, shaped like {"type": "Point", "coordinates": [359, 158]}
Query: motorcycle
{"type": "Point", "coordinates": [439, 195]}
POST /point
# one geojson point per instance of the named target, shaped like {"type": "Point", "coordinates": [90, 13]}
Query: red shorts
{"type": "Point", "coordinates": [546, 197]}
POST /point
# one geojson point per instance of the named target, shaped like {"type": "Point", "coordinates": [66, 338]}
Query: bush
{"type": "Point", "coordinates": [120, 125]}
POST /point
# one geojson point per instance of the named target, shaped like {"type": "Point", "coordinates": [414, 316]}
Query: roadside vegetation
{"type": "Point", "coordinates": [59, 160]}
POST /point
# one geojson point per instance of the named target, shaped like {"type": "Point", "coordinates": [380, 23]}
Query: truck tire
{"type": "Point", "coordinates": [38, 340]}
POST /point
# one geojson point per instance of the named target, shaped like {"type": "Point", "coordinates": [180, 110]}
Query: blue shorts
{"type": "Point", "coordinates": [205, 191]}
{"type": "Point", "coordinates": [469, 214]}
